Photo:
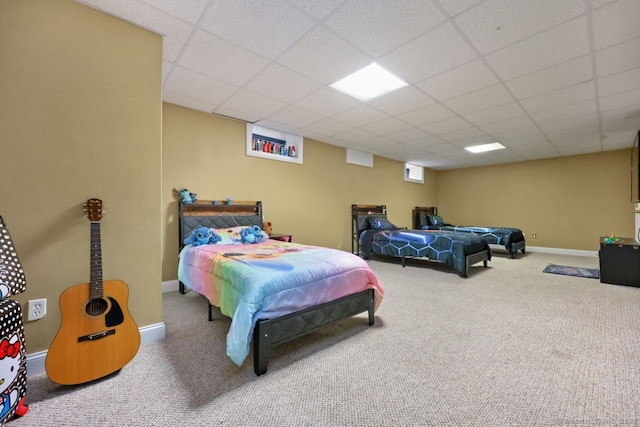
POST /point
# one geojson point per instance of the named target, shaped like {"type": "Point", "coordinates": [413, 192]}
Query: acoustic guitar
{"type": "Point", "coordinates": [97, 336]}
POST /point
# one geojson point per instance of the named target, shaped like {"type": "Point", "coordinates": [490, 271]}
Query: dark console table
{"type": "Point", "coordinates": [620, 262]}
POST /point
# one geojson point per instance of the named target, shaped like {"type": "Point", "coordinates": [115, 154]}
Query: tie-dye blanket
{"type": "Point", "coordinates": [270, 279]}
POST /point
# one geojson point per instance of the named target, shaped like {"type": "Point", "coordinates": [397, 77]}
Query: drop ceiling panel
{"type": "Point", "coordinates": [401, 101]}
{"type": "Point", "coordinates": [429, 54]}
{"type": "Point", "coordinates": [461, 80]}
{"type": "Point", "coordinates": [424, 115]}
{"type": "Point", "coordinates": [189, 10]}
{"type": "Point", "coordinates": [621, 82]}
{"type": "Point", "coordinates": [507, 125]}
{"type": "Point", "coordinates": [378, 30]}
{"type": "Point", "coordinates": [558, 98]}
{"type": "Point", "coordinates": [246, 22]}
{"type": "Point", "coordinates": [328, 127]}
{"type": "Point", "coordinates": [253, 103]}
{"type": "Point", "coordinates": [294, 116]}
{"type": "Point", "coordinates": [480, 100]}
{"type": "Point", "coordinates": [327, 102]}
{"type": "Point", "coordinates": [620, 100]}
{"type": "Point", "coordinates": [566, 112]}
{"type": "Point", "coordinates": [360, 115]}
{"type": "Point", "coordinates": [569, 124]}
{"type": "Point", "coordinates": [197, 86]}
{"type": "Point", "coordinates": [615, 23]}
{"type": "Point", "coordinates": [618, 58]}
{"type": "Point", "coordinates": [282, 84]}
{"type": "Point", "coordinates": [445, 126]}
{"type": "Point", "coordinates": [194, 104]}
{"type": "Point", "coordinates": [409, 135]}
{"type": "Point", "coordinates": [387, 126]}
{"type": "Point", "coordinates": [323, 56]}
{"type": "Point", "coordinates": [496, 114]}
{"type": "Point", "coordinates": [215, 57]}
{"type": "Point", "coordinates": [356, 136]}
{"type": "Point", "coordinates": [541, 51]}
{"type": "Point", "coordinates": [454, 7]}
{"type": "Point", "coordinates": [317, 9]}
{"type": "Point", "coordinates": [556, 77]}
{"type": "Point", "coordinates": [500, 23]}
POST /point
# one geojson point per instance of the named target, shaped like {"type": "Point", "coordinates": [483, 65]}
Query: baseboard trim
{"type": "Point", "coordinates": [170, 286]}
{"type": "Point", "coordinates": [148, 334]}
{"type": "Point", "coordinates": [574, 252]}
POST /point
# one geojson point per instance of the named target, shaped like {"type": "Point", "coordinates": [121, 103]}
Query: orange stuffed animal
{"type": "Point", "coordinates": [266, 227]}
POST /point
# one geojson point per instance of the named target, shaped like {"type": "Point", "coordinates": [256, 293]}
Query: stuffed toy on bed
{"type": "Point", "coordinates": [253, 234]}
{"type": "Point", "coordinates": [202, 236]}
{"type": "Point", "coordinates": [266, 226]}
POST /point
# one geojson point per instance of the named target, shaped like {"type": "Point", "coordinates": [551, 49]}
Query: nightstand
{"type": "Point", "coordinates": [620, 262]}
{"type": "Point", "coordinates": [282, 237]}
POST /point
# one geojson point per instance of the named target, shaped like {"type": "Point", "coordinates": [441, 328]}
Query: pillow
{"type": "Point", "coordinates": [380, 223]}
{"type": "Point", "coordinates": [435, 220]}
{"type": "Point", "coordinates": [233, 235]}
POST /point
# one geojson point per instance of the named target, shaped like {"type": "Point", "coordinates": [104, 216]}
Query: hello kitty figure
{"type": "Point", "coordinates": [9, 367]}
{"type": "Point", "coordinates": [4, 280]}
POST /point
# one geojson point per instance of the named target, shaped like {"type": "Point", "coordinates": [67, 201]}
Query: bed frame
{"type": "Point", "coordinates": [359, 214]}
{"type": "Point", "coordinates": [432, 210]}
{"type": "Point", "coordinates": [269, 332]}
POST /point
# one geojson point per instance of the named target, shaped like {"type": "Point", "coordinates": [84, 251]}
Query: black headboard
{"type": "Point", "coordinates": [420, 216]}
{"type": "Point", "coordinates": [204, 213]}
{"type": "Point", "coordinates": [359, 215]}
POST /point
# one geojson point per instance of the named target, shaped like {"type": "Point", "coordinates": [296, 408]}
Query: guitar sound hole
{"type": "Point", "coordinates": [96, 306]}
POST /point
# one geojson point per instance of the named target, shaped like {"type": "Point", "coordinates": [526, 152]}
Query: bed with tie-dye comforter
{"type": "Point", "coordinates": [249, 282]}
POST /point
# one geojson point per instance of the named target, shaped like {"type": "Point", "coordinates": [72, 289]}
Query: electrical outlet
{"type": "Point", "coordinates": [37, 308]}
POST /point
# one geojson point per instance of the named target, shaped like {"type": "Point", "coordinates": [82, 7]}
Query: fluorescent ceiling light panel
{"type": "Point", "coordinates": [485, 147]}
{"type": "Point", "coordinates": [368, 83]}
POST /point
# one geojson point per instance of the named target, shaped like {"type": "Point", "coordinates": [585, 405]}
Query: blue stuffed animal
{"type": "Point", "coordinates": [186, 196]}
{"type": "Point", "coordinates": [202, 236]}
{"type": "Point", "coordinates": [252, 234]}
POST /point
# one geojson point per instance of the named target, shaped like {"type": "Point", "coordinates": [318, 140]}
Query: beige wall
{"type": "Point", "coordinates": [80, 117]}
{"type": "Point", "coordinates": [568, 202]}
{"type": "Point", "coordinates": [312, 201]}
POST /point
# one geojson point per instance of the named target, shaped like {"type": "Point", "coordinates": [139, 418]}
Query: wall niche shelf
{"type": "Point", "coordinates": [273, 144]}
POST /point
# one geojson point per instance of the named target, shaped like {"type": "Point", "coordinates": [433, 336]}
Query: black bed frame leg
{"type": "Point", "coordinates": [210, 312]}
{"type": "Point", "coordinates": [181, 288]}
{"type": "Point", "coordinates": [372, 306]}
{"type": "Point", "coordinates": [261, 347]}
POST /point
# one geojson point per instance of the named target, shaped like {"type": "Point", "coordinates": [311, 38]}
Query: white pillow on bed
{"type": "Point", "coordinates": [231, 235]}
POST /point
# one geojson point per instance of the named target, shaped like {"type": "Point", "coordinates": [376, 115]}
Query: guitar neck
{"type": "Point", "coordinates": [96, 282]}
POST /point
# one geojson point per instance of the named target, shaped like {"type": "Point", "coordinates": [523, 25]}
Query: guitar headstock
{"type": "Point", "coordinates": [93, 208]}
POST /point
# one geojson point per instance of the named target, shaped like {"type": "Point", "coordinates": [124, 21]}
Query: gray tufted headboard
{"type": "Point", "coordinates": [204, 213]}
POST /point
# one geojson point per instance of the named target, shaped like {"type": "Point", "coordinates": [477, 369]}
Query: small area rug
{"type": "Point", "coordinates": [591, 273]}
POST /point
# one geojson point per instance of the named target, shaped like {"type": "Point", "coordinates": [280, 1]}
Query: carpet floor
{"type": "Point", "coordinates": [508, 346]}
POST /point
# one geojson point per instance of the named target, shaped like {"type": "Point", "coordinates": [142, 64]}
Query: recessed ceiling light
{"type": "Point", "coordinates": [368, 83]}
{"type": "Point", "coordinates": [485, 147]}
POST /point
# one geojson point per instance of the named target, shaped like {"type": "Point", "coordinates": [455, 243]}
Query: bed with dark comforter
{"type": "Point", "coordinates": [512, 239]}
{"type": "Point", "coordinates": [373, 234]}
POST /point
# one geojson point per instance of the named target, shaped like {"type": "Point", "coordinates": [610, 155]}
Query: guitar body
{"type": "Point", "coordinates": [91, 345]}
